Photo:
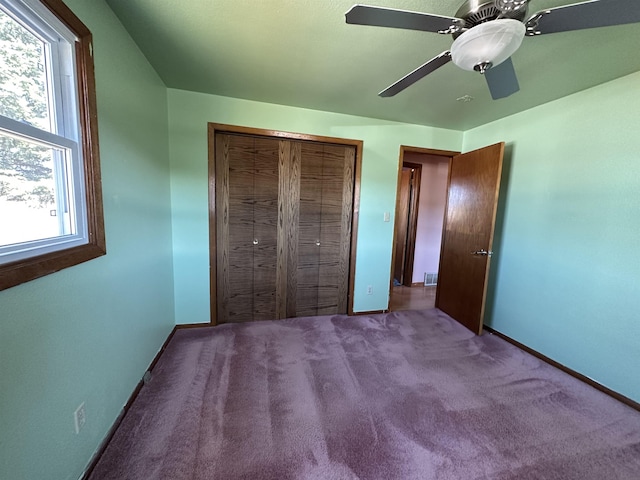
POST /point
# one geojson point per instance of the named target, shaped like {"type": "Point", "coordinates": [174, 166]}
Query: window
{"type": "Point", "coordinates": [50, 197]}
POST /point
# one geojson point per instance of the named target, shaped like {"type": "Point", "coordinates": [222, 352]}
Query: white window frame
{"type": "Point", "coordinates": [71, 88]}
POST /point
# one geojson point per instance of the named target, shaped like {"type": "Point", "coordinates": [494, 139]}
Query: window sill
{"type": "Point", "coordinates": [22, 271]}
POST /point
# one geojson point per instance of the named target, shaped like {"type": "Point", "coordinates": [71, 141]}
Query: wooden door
{"type": "Point", "coordinates": [474, 182]}
{"type": "Point", "coordinates": [247, 220]}
{"type": "Point", "coordinates": [265, 227]}
{"type": "Point", "coordinates": [402, 224]}
{"type": "Point", "coordinates": [309, 217]}
{"type": "Point", "coordinates": [412, 222]}
{"type": "Point", "coordinates": [335, 228]}
{"type": "Point", "coordinates": [406, 223]}
{"type": "Point", "coordinates": [283, 220]}
{"type": "Point", "coordinates": [323, 229]}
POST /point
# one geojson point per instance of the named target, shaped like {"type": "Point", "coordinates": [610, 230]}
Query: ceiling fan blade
{"type": "Point", "coordinates": [502, 80]}
{"type": "Point", "coordinates": [389, 17]}
{"type": "Point", "coordinates": [417, 74]}
{"type": "Point", "coordinates": [578, 16]}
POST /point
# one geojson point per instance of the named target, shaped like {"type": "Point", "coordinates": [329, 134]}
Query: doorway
{"type": "Point", "coordinates": [420, 206]}
{"type": "Point", "coordinates": [466, 225]}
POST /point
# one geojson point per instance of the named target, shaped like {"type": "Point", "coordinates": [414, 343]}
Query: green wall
{"type": "Point", "coordinates": [87, 333]}
{"type": "Point", "coordinates": [567, 263]}
{"type": "Point", "coordinates": [564, 282]}
{"type": "Point", "coordinates": [188, 116]}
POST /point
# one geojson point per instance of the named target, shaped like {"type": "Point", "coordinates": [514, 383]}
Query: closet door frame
{"type": "Point", "coordinates": [212, 130]}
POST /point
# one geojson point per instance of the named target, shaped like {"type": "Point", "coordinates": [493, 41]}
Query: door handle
{"type": "Point", "coordinates": [482, 253]}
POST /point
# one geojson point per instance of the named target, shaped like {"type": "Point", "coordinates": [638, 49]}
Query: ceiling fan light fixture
{"type": "Point", "coordinates": [489, 43]}
{"type": "Point", "coordinates": [506, 6]}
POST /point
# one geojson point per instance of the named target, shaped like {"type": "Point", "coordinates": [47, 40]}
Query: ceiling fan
{"type": "Point", "coordinates": [487, 32]}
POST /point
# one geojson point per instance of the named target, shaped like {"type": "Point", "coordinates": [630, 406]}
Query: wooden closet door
{"type": "Point", "coordinates": [335, 229]}
{"type": "Point", "coordinates": [309, 218]}
{"type": "Point", "coordinates": [265, 228]}
{"type": "Point", "coordinates": [325, 210]}
{"type": "Point", "coordinates": [246, 226]}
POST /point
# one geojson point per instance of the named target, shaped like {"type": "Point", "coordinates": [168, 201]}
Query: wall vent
{"type": "Point", "coordinates": [430, 279]}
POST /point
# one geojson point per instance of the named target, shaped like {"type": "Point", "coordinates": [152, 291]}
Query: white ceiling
{"type": "Point", "coordinates": [302, 53]}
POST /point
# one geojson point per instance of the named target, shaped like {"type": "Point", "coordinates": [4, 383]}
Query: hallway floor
{"type": "Point", "coordinates": [412, 298]}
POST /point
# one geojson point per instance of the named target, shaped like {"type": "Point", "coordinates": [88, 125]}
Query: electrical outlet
{"type": "Point", "coordinates": [79, 417]}
{"type": "Point", "coordinates": [370, 290]}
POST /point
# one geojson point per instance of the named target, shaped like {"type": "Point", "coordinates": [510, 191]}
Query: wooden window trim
{"type": "Point", "coordinates": [21, 271]}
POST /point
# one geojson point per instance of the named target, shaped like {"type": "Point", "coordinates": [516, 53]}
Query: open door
{"type": "Point", "coordinates": [472, 200]}
{"type": "Point", "coordinates": [406, 222]}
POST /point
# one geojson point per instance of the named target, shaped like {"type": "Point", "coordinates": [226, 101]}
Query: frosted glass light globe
{"type": "Point", "coordinates": [491, 42]}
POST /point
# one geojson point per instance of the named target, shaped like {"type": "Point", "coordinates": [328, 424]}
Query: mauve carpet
{"type": "Point", "coordinates": [406, 395]}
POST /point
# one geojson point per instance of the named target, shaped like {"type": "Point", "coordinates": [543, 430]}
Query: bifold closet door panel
{"type": "Point", "coordinates": [326, 198]}
{"type": "Point", "coordinates": [246, 226]}
{"type": "Point", "coordinates": [265, 228]}
{"type": "Point", "coordinates": [335, 228]}
{"type": "Point", "coordinates": [309, 220]}
{"type": "Point", "coordinates": [289, 209]}
{"type": "Point", "coordinates": [234, 220]}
